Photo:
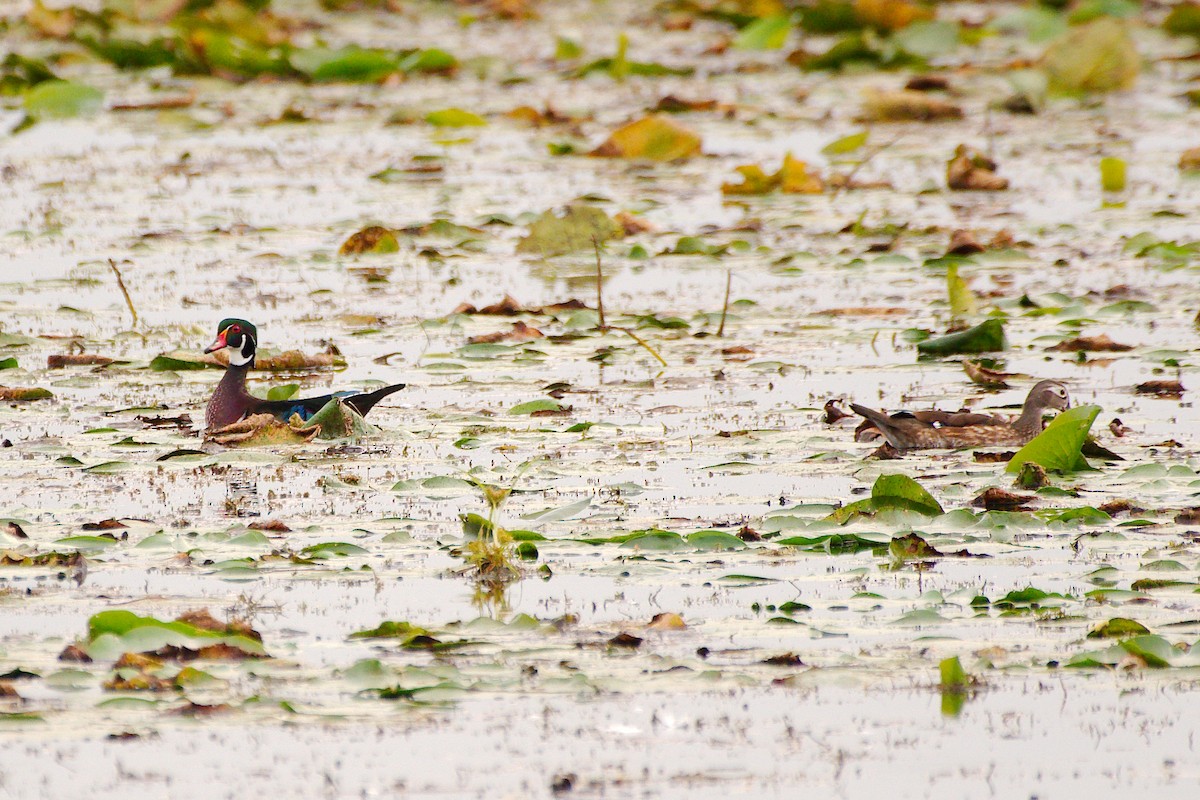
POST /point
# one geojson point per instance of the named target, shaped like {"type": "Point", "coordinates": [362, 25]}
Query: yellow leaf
{"type": "Point", "coordinates": [754, 181]}
{"type": "Point", "coordinates": [794, 177]}
{"type": "Point", "coordinates": [889, 15]}
{"type": "Point", "coordinates": [655, 137]}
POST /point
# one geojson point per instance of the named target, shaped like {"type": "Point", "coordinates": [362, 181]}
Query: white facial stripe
{"type": "Point", "coordinates": [240, 357]}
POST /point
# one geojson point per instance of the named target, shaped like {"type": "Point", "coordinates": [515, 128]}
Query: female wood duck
{"type": "Point", "coordinates": [941, 429]}
{"type": "Point", "coordinates": [232, 401]}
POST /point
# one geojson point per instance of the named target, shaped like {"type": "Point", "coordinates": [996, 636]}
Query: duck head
{"type": "Point", "coordinates": [240, 337]}
{"type": "Point", "coordinates": [1049, 394]}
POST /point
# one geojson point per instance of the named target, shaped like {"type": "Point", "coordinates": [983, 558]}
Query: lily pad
{"type": "Point", "coordinates": [1058, 448]}
{"type": "Point", "coordinates": [986, 337]}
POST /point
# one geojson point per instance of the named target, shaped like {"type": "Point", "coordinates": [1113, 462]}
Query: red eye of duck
{"type": "Point", "coordinates": [236, 329]}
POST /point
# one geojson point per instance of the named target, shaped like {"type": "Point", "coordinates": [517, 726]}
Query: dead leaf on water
{"type": "Point", "coordinates": [666, 621]}
{"type": "Point", "coordinates": [1167, 389]}
{"type": "Point", "coordinates": [1099, 56]}
{"type": "Point", "coordinates": [260, 430]}
{"type": "Point", "coordinates": [519, 332]}
{"type": "Point", "coordinates": [1091, 344]}
{"type": "Point", "coordinates": [655, 137]}
{"type": "Point", "coordinates": [792, 177]}
{"type": "Point", "coordinates": [77, 360]}
{"type": "Point", "coordinates": [371, 239]}
{"type": "Point", "coordinates": [578, 227]}
{"type": "Point", "coordinates": [970, 170]}
{"type": "Point", "coordinates": [906, 106]}
{"type": "Point", "coordinates": [23, 393]}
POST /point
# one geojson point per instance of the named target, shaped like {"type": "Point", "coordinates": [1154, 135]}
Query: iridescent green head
{"type": "Point", "coordinates": [240, 336]}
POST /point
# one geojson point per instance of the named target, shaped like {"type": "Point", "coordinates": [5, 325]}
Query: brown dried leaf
{"type": "Point", "coordinates": [677, 105]}
{"type": "Point", "coordinates": [77, 360]}
{"type": "Point", "coordinates": [1168, 389]}
{"type": "Point", "coordinates": [626, 640]}
{"type": "Point", "coordinates": [191, 709]}
{"type": "Point", "coordinates": [748, 534]}
{"type": "Point", "coordinates": [970, 170]}
{"type": "Point", "coordinates": [270, 525]}
{"type": "Point", "coordinates": [74, 654]}
{"type": "Point", "coordinates": [788, 659]}
{"type": "Point", "coordinates": [907, 106]}
{"type": "Point", "coordinates": [371, 239]}
{"type": "Point", "coordinates": [986, 457]}
{"type": "Point", "coordinates": [519, 332]}
{"type": "Point", "coordinates": [104, 525]}
{"type": "Point", "coordinates": [23, 393]}
{"type": "Point", "coordinates": [260, 430]}
{"type": "Point", "coordinates": [1189, 516]}
{"type": "Point", "coordinates": [994, 499]}
{"type": "Point", "coordinates": [1091, 344]}
{"type": "Point", "coordinates": [632, 224]}
{"type": "Point", "coordinates": [964, 243]}
{"type": "Point", "coordinates": [1190, 159]}
{"type": "Point", "coordinates": [928, 83]}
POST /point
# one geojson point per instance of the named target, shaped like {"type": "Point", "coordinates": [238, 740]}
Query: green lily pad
{"type": "Point", "coordinates": [1058, 448]}
{"type": "Point", "coordinates": [575, 229]}
{"type": "Point", "coordinates": [890, 492]}
{"type": "Point", "coordinates": [986, 337]}
{"type": "Point", "coordinates": [62, 100]}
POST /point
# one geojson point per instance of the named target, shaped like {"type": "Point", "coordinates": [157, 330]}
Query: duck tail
{"type": "Point", "coordinates": [363, 403]}
{"type": "Point", "coordinates": [878, 417]}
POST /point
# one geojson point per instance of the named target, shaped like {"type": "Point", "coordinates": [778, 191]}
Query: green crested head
{"type": "Point", "coordinates": [240, 336]}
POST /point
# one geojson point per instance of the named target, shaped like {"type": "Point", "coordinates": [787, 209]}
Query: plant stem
{"type": "Point", "coordinates": [599, 284]}
{"type": "Point", "coordinates": [124, 291]}
{"type": "Point", "coordinates": [725, 306]}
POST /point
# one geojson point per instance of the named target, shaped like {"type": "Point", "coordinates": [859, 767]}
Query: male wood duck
{"type": "Point", "coordinates": [232, 401]}
{"type": "Point", "coordinates": [949, 429]}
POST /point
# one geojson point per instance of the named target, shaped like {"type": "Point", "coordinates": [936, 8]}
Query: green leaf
{"type": "Point", "coordinates": [954, 677]}
{"type": "Point", "coordinates": [352, 64]}
{"type": "Point", "coordinates": [654, 540]}
{"type": "Point", "coordinates": [1184, 20]}
{"type": "Point", "coordinates": [846, 144]}
{"type": "Point", "coordinates": [1112, 174]}
{"type": "Point", "coordinates": [962, 299]}
{"type": "Point", "coordinates": [986, 337]}
{"type": "Point", "coordinates": [8, 363]}
{"type": "Point", "coordinates": [1118, 628]}
{"type": "Point", "coordinates": [928, 39]}
{"type": "Point", "coordinates": [1093, 58]}
{"type": "Point", "coordinates": [890, 492]}
{"type": "Point", "coordinates": [544, 404]}
{"type": "Point", "coordinates": [330, 549]}
{"type": "Point", "coordinates": [285, 392]}
{"type": "Point", "coordinates": [832, 543]}
{"type": "Point", "coordinates": [566, 49]}
{"type": "Point", "coordinates": [62, 99]}
{"type": "Point", "coordinates": [428, 60]}
{"type": "Point", "coordinates": [154, 633]}
{"type": "Point", "coordinates": [178, 362]}
{"type": "Point", "coordinates": [714, 540]}
{"type": "Point", "coordinates": [1058, 447]}
{"type": "Point", "coordinates": [765, 33]}
{"type": "Point", "coordinates": [454, 118]}
{"type": "Point", "coordinates": [576, 229]}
